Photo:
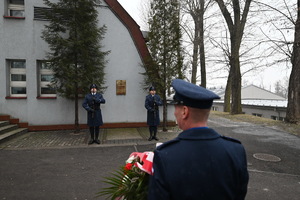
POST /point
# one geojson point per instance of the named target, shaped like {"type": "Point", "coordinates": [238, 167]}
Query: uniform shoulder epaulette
{"type": "Point", "coordinates": [165, 144]}
{"type": "Point", "coordinates": [231, 139]}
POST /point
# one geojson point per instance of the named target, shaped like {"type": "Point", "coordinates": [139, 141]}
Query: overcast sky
{"type": "Point", "coordinates": [266, 79]}
{"type": "Point", "coordinates": [132, 7]}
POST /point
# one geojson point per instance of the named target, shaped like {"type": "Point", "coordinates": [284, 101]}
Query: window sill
{"type": "Point", "coordinates": [39, 97]}
{"type": "Point", "coordinates": [13, 17]}
{"type": "Point", "coordinates": [9, 97]}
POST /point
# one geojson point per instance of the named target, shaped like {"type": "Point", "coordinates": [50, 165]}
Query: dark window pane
{"type": "Point", "coordinates": [46, 78]}
{"type": "Point", "coordinates": [19, 2]}
{"type": "Point", "coordinates": [41, 13]}
{"type": "Point", "coordinates": [18, 77]}
{"type": "Point", "coordinates": [17, 13]}
{"type": "Point", "coordinates": [48, 90]}
{"type": "Point", "coordinates": [45, 65]}
{"type": "Point", "coordinates": [18, 90]}
{"type": "Point", "coordinates": [18, 64]}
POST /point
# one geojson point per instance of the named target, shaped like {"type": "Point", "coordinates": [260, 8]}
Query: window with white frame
{"type": "Point", "coordinates": [16, 8]}
{"type": "Point", "coordinates": [45, 76]}
{"type": "Point", "coordinates": [17, 78]}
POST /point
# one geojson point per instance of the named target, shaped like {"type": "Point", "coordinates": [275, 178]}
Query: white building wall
{"type": "Point", "coordinates": [21, 39]}
{"type": "Point", "coordinates": [266, 112]}
{"type": "Point", "coordinates": [263, 111]}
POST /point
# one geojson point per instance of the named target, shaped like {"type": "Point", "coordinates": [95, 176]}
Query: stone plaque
{"type": "Point", "coordinates": [121, 87]}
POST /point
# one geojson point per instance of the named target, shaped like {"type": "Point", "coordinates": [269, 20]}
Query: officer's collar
{"type": "Point", "coordinates": [204, 134]}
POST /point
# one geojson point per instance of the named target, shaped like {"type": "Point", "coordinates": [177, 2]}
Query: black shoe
{"type": "Point", "coordinates": [97, 141]}
{"type": "Point", "coordinates": [91, 141]}
{"type": "Point", "coordinates": [150, 138]}
{"type": "Point", "coordinates": [155, 138]}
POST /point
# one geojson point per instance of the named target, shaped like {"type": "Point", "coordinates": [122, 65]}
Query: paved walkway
{"type": "Point", "coordinates": [108, 137]}
{"type": "Point", "coordinates": [61, 165]}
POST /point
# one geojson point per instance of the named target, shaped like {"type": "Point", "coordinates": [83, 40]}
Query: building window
{"type": "Point", "coordinates": [40, 13]}
{"type": "Point", "coordinates": [278, 118]}
{"type": "Point", "coordinates": [15, 8]}
{"type": "Point", "coordinates": [214, 108]}
{"type": "Point", "coordinates": [257, 114]}
{"type": "Point", "coordinates": [17, 78]}
{"type": "Point", "coordinates": [45, 76]}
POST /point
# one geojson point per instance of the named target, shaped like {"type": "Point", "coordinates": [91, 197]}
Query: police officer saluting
{"type": "Point", "coordinates": [91, 104]}
{"type": "Point", "coordinates": [151, 104]}
{"type": "Point", "coordinates": [199, 163]}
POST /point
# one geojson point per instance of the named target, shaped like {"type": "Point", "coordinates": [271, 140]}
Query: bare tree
{"type": "Point", "coordinates": [236, 29]}
{"type": "Point", "coordinates": [284, 24]}
{"type": "Point", "coordinates": [293, 108]}
{"type": "Point", "coordinates": [196, 9]}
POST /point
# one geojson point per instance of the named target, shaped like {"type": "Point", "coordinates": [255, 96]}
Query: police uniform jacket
{"type": "Point", "coordinates": [92, 103]}
{"type": "Point", "coordinates": [151, 104]}
{"type": "Point", "coordinates": [199, 164]}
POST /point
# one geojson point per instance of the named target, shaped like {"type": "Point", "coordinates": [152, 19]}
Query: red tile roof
{"type": "Point", "coordinates": [132, 26]}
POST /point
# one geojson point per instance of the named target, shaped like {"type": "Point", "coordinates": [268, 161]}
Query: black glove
{"type": "Point", "coordinates": [92, 110]}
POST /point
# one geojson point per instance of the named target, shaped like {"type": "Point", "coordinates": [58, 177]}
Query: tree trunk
{"type": "Point", "coordinates": [227, 94]}
{"type": "Point", "coordinates": [293, 108]}
{"type": "Point", "coordinates": [201, 43]}
{"type": "Point", "coordinates": [236, 107]}
{"type": "Point", "coordinates": [77, 129]}
{"type": "Point", "coordinates": [165, 109]}
{"type": "Point", "coordinates": [236, 28]}
{"type": "Point", "coordinates": [165, 115]}
{"type": "Point", "coordinates": [195, 53]}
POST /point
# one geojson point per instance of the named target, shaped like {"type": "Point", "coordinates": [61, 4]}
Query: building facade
{"type": "Point", "coordinates": [24, 77]}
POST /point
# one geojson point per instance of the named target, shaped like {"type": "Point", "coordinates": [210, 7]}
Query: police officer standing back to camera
{"type": "Point", "coordinates": [151, 104]}
{"type": "Point", "coordinates": [91, 104]}
{"type": "Point", "coordinates": [199, 164]}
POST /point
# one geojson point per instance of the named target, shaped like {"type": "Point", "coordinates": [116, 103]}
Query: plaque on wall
{"type": "Point", "coordinates": [121, 87]}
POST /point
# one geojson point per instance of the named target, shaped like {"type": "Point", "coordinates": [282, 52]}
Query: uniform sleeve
{"type": "Point", "coordinates": [157, 186]}
{"type": "Point", "coordinates": [85, 104]}
{"type": "Point", "coordinates": [100, 99]}
{"type": "Point", "coordinates": [147, 104]}
{"type": "Point", "coordinates": [158, 100]}
{"type": "Point", "coordinates": [244, 177]}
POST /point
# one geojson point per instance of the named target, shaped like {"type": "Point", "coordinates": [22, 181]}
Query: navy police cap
{"type": "Point", "coordinates": [93, 86]}
{"type": "Point", "coordinates": [152, 88]}
{"type": "Point", "coordinates": [191, 95]}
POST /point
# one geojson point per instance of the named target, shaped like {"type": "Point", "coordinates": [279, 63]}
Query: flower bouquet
{"type": "Point", "coordinates": [131, 181]}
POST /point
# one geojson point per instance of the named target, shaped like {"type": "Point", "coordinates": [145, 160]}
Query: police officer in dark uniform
{"type": "Point", "coordinates": [199, 163]}
{"type": "Point", "coordinates": [151, 104]}
{"type": "Point", "coordinates": [91, 104]}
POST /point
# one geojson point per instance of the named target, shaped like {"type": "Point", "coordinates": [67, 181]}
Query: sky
{"type": "Point", "coordinates": [265, 79]}
{"type": "Point", "coordinates": [133, 7]}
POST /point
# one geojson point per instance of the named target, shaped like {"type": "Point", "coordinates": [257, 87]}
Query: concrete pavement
{"type": "Point", "coordinates": [60, 164]}
{"type": "Point", "coordinates": [65, 139]}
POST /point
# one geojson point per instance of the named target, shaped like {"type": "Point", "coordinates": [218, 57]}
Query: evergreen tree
{"type": "Point", "coordinates": [75, 55]}
{"type": "Point", "coordinates": [164, 44]}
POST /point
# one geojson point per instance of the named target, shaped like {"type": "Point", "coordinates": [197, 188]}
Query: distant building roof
{"type": "Point", "coordinates": [271, 103]}
{"type": "Point", "coordinates": [252, 92]}
{"type": "Point", "coordinates": [259, 102]}
{"type": "Point", "coordinates": [256, 96]}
